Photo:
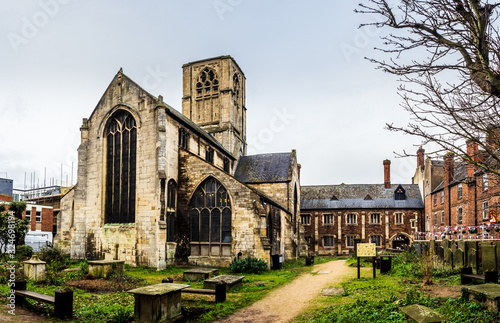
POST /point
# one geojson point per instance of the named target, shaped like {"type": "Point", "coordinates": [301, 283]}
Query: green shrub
{"type": "Point", "coordinates": [53, 257]}
{"type": "Point", "coordinates": [24, 252]}
{"type": "Point", "coordinates": [248, 265]}
{"type": "Point", "coordinates": [84, 266]}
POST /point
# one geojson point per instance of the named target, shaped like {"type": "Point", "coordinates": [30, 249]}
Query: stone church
{"type": "Point", "coordinates": [158, 187]}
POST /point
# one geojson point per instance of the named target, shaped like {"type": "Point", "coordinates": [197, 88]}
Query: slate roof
{"type": "Point", "coordinates": [264, 168]}
{"type": "Point", "coordinates": [459, 175]}
{"type": "Point", "coordinates": [352, 196]}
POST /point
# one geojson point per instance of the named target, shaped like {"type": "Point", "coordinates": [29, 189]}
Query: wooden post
{"type": "Point", "coordinates": [359, 270]}
{"type": "Point", "coordinates": [63, 307]}
{"type": "Point", "coordinates": [19, 285]}
{"type": "Point", "coordinates": [374, 267]}
{"type": "Point", "coordinates": [465, 271]}
{"type": "Point", "coordinates": [220, 292]}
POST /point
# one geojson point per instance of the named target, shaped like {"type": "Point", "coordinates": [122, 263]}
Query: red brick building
{"type": "Point", "coordinates": [464, 203]}
{"type": "Point", "coordinates": [385, 214]}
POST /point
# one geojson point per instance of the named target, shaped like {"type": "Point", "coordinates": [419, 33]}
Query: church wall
{"type": "Point", "coordinates": [248, 215]}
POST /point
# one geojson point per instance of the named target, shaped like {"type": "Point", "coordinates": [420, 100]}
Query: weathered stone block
{"type": "Point", "coordinates": [104, 268]}
{"type": "Point", "coordinates": [422, 314]}
{"type": "Point", "coordinates": [34, 269]}
{"type": "Point", "coordinates": [488, 255]}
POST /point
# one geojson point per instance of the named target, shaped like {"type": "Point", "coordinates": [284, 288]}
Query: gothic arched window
{"type": "Point", "coordinates": [210, 217]}
{"type": "Point", "coordinates": [121, 146]}
{"type": "Point", "coordinates": [207, 82]}
{"type": "Point", "coordinates": [171, 198]}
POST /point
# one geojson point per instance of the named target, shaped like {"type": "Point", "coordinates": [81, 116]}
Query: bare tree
{"type": "Point", "coordinates": [446, 53]}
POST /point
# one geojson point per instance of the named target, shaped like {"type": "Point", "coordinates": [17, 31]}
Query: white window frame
{"type": "Point", "coordinates": [349, 217]}
{"type": "Point", "coordinates": [459, 192]}
{"type": "Point", "coordinates": [28, 215]}
{"type": "Point", "coordinates": [435, 198]}
{"type": "Point", "coordinates": [413, 223]}
{"type": "Point", "coordinates": [349, 237]}
{"type": "Point", "coordinates": [304, 217]}
{"type": "Point", "coordinates": [460, 214]}
{"type": "Point", "coordinates": [435, 219]}
{"type": "Point", "coordinates": [486, 214]}
{"type": "Point", "coordinates": [485, 181]}
{"type": "Point", "coordinates": [442, 197]}
{"type": "Point", "coordinates": [442, 217]}
{"type": "Point", "coordinates": [332, 239]}
{"type": "Point", "coordinates": [375, 216]}
{"type": "Point", "coordinates": [401, 216]}
{"type": "Point", "coordinates": [38, 215]}
{"type": "Point", "coordinates": [329, 219]}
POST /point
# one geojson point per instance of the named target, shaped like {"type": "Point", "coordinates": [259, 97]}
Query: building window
{"type": "Point", "coordinates": [121, 145]}
{"type": "Point", "coordinates": [351, 218]}
{"type": "Point", "coordinates": [435, 197]}
{"type": "Point", "coordinates": [305, 219]}
{"type": "Point", "coordinates": [442, 197]}
{"type": "Point", "coordinates": [207, 82]}
{"type": "Point", "coordinates": [459, 191]}
{"type": "Point", "coordinates": [375, 218]}
{"type": "Point", "coordinates": [442, 217]}
{"type": "Point", "coordinates": [435, 218]}
{"type": "Point", "coordinates": [183, 138]}
{"type": "Point", "coordinates": [226, 164]}
{"type": "Point", "coordinates": [413, 223]}
{"type": "Point", "coordinates": [210, 155]}
{"type": "Point", "coordinates": [28, 216]}
{"type": "Point", "coordinates": [486, 215]}
{"type": "Point", "coordinates": [400, 193]}
{"type": "Point", "coordinates": [398, 218]}
{"type": "Point", "coordinates": [171, 199]}
{"type": "Point", "coordinates": [210, 217]}
{"type": "Point", "coordinates": [485, 182]}
{"type": "Point", "coordinates": [376, 240]}
{"type": "Point", "coordinates": [327, 219]}
{"type": "Point", "coordinates": [350, 241]}
{"type": "Point", "coordinates": [38, 216]}
{"type": "Point", "coordinates": [328, 241]}
{"type": "Point", "coordinates": [459, 214]}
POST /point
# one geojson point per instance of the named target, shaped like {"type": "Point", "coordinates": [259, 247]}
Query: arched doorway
{"type": "Point", "coordinates": [400, 240]}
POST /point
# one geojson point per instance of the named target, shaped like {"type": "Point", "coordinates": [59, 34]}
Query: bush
{"type": "Point", "coordinates": [84, 266]}
{"type": "Point", "coordinates": [53, 257]}
{"type": "Point", "coordinates": [24, 252]}
{"type": "Point", "coordinates": [248, 265]}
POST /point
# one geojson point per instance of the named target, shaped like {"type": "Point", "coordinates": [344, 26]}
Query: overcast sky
{"type": "Point", "coordinates": [309, 87]}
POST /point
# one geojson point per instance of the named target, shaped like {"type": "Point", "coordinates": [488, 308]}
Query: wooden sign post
{"type": "Point", "coordinates": [366, 250]}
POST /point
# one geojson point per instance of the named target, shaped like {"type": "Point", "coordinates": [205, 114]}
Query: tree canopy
{"type": "Point", "coordinates": [446, 54]}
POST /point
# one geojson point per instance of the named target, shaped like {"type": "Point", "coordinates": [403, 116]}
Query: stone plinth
{"type": "Point", "coordinates": [104, 268]}
{"type": "Point", "coordinates": [200, 273]}
{"type": "Point", "coordinates": [422, 314]}
{"type": "Point", "coordinates": [491, 291]}
{"type": "Point", "coordinates": [34, 269]}
{"type": "Point", "coordinates": [157, 303]}
{"type": "Point", "coordinates": [230, 281]}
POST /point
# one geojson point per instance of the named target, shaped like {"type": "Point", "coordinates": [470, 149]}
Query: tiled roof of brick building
{"type": "Point", "coordinates": [265, 168]}
{"type": "Point", "coordinates": [353, 196]}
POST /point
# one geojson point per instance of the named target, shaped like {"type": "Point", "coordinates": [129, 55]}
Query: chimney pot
{"type": "Point", "coordinates": [387, 173]}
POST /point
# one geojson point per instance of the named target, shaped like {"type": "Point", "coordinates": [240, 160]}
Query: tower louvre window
{"type": "Point", "coordinates": [207, 82]}
{"type": "Point", "coordinates": [121, 145]}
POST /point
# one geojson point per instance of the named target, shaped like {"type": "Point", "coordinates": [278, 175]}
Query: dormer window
{"type": "Point", "coordinates": [400, 193]}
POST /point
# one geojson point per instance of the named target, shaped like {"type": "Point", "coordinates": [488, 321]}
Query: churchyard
{"type": "Point", "coordinates": [429, 274]}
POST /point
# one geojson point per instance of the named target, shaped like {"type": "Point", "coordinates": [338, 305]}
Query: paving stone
{"type": "Point", "coordinates": [422, 314]}
{"type": "Point", "coordinates": [332, 291]}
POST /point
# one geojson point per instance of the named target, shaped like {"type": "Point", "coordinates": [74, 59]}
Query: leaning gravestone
{"type": "Point", "coordinates": [489, 257]}
{"type": "Point", "coordinates": [458, 258]}
{"type": "Point", "coordinates": [448, 257]}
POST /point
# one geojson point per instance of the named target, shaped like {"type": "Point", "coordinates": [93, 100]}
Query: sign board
{"type": "Point", "coordinates": [366, 250]}
{"type": "Point", "coordinates": [493, 216]}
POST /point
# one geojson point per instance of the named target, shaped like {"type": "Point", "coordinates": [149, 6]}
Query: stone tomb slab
{"type": "Point", "coordinates": [231, 281]}
{"type": "Point", "coordinates": [332, 291]}
{"type": "Point", "coordinates": [422, 314]}
{"type": "Point", "coordinates": [104, 268]}
{"type": "Point", "coordinates": [157, 303]}
{"type": "Point", "coordinates": [491, 291]}
{"type": "Point", "coordinates": [200, 273]}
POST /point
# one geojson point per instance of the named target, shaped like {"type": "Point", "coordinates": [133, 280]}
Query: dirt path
{"type": "Point", "coordinates": [283, 304]}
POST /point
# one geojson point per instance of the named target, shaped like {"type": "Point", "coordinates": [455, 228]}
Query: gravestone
{"type": "Point", "coordinates": [418, 249]}
{"type": "Point", "coordinates": [34, 269]}
{"type": "Point", "coordinates": [448, 257]}
{"type": "Point", "coordinates": [200, 273]}
{"type": "Point", "coordinates": [231, 281]}
{"type": "Point", "coordinates": [498, 254]}
{"type": "Point", "coordinates": [489, 257]}
{"type": "Point", "coordinates": [445, 243]}
{"type": "Point", "coordinates": [458, 258]}
{"type": "Point", "coordinates": [432, 246]}
{"type": "Point", "coordinates": [472, 260]}
{"type": "Point", "coordinates": [440, 253]}
{"type": "Point", "coordinates": [463, 245]}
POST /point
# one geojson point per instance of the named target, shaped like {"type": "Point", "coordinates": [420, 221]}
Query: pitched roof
{"type": "Point", "coordinates": [353, 197]}
{"type": "Point", "coordinates": [264, 168]}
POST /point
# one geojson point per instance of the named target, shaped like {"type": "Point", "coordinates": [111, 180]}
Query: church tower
{"type": "Point", "coordinates": [214, 98]}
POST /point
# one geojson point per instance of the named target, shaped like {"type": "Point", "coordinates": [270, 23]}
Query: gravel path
{"type": "Point", "coordinates": [286, 302]}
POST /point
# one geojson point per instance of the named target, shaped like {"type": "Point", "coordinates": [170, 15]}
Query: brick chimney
{"type": "Point", "coordinates": [387, 173]}
{"type": "Point", "coordinates": [420, 157]}
{"type": "Point", "coordinates": [473, 152]}
{"type": "Point", "coordinates": [449, 168]}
